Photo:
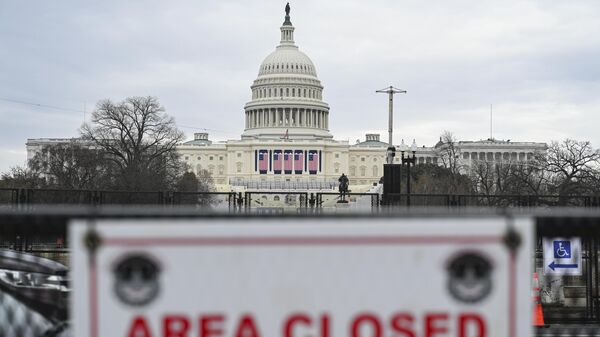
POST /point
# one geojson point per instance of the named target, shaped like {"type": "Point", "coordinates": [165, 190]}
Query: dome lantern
{"type": "Point", "coordinates": [287, 29]}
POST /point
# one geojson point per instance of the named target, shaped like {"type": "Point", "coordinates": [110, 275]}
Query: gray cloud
{"type": "Point", "coordinates": [536, 61]}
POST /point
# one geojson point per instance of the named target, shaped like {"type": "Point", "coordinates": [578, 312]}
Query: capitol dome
{"type": "Point", "coordinates": [287, 99]}
{"type": "Point", "coordinates": [287, 60]}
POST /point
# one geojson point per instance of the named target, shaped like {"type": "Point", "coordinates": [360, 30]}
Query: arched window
{"type": "Point", "coordinates": [363, 171]}
{"type": "Point", "coordinates": [293, 92]}
{"type": "Point", "coordinates": [281, 92]}
{"type": "Point", "coordinates": [287, 92]}
{"type": "Point", "coordinates": [305, 93]}
{"type": "Point", "coordinates": [375, 171]}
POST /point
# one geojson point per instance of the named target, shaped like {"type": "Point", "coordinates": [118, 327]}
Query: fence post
{"type": "Point", "coordinates": [312, 200]}
{"type": "Point", "coordinates": [247, 200]}
{"type": "Point", "coordinates": [239, 201]}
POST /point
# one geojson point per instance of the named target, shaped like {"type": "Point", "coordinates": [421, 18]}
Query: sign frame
{"type": "Point", "coordinates": [94, 240]}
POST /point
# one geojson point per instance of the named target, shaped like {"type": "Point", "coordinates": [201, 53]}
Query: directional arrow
{"type": "Point", "coordinates": [565, 266]}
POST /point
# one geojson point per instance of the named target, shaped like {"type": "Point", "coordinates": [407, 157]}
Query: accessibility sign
{"type": "Point", "coordinates": [562, 256]}
{"type": "Point", "coordinates": [295, 277]}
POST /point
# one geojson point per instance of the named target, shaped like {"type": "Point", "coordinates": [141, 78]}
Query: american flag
{"type": "Point", "coordinates": [298, 161]}
{"type": "Point", "coordinates": [277, 161]}
{"type": "Point", "coordinates": [313, 161]}
{"type": "Point", "coordinates": [263, 161]}
{"type": "Point", "coordinates": [287, 161]}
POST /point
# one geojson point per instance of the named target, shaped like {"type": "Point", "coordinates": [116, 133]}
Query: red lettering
{"type": "Point", "coordinates": [431, 329]}
{"type": "Point", "coordinates": [369, 319]}
{"type": "Point", "coordinates": [210, 325]}
{"type": "Point", "coordinates": [465, 319]}
{"type": "Point", "coordinates": [398, 324]}
{"type": "Point", "coordinates": [325, 329]}
{"type": "Point", "coordinates": [139, 328]}
{"type": "Point", "coordinates": [247, 327]}
{"type": "Point", "coordinates": [175, 326]}
{"type": "Point", "coordinates": [292, 320]}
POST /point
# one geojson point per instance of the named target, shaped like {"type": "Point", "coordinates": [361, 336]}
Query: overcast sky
{"type": "Point", "coordinates": [537, 62]}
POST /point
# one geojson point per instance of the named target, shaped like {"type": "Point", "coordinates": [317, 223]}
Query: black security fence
{"type": "Point", "coordinates": [27, 197]}
{"type": "Point", "coordinates": [324, 199]}
{"type": "Point", "coordinates": [277, 199]}
{"type": "Point", "coordinates": [477, 200]}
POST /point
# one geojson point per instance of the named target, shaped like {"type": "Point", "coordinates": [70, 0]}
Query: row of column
{"type": "Point", "coordinates": [288, 117]}
{"type": "Point", "coordinates": [498, 155]}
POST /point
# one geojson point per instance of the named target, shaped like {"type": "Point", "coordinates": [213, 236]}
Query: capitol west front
{"type": "Point", "coordinates": [286, 142]}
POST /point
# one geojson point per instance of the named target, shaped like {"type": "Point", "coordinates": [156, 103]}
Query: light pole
{"type": "Point", "coordinates": [408, 161]}
{"type": "Point", "coordinates": [391, 91]}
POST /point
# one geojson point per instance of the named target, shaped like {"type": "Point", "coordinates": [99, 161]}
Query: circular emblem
{"type": "Point", "coordinates": [469, 277]}
{"type": "Point", "coordinates": [136, 280]}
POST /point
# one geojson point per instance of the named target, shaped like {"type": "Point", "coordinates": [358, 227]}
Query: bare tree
{"type": "Point", "coordinates": [483, 177]}
{"type": "Point", "coordinates": [139, 140]}
{"type": "Point", "coordinates": [572, 166]}
{"type": "Point", "coordinates": [434, 179]}
{"type": "Point", "coordinates": [72, 165]}
{"type": "Point", "coordinates": [530, 178]}
{"type": "Point", "coordinates": [22, 177]}
{"type": "Point", "coordinates": [449, 152]}
{"type": "Point", "coordinates": [449, 155]}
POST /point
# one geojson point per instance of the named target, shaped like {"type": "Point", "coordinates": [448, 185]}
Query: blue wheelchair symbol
{"type": "Point", "coordinates": [562, 249]}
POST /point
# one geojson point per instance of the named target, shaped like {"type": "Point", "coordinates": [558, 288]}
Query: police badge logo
{"type": "Point", "coordinates": [469, 277]}
{"type": "Point", "coordinates": [136, 280]}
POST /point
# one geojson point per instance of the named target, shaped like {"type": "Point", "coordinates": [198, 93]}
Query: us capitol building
{"type": "Point", "coordinates": [286, 143]}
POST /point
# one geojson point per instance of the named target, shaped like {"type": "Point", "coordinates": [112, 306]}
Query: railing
{"type": "Point", "coordinates": [373, 196]}
{"type": "Point", "coordinates": [27, 197]}
{"type": "Point", "coordinates": [17, 198]}
{"type": "Point", "coordinates": [284, 198]}
{"type": "Point", "coordinates": [477, 200]}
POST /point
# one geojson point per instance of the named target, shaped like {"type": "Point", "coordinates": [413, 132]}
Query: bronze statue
{"type": "Point", "coordinates": [343, 188]}
{"type": "Point", "coordinates": [287, 9]}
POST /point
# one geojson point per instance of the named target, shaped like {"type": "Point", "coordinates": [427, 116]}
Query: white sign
{"type": "Point", "coordinates": [298, 277]}
{"type": "Point", "coordinates": [562, 256]}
